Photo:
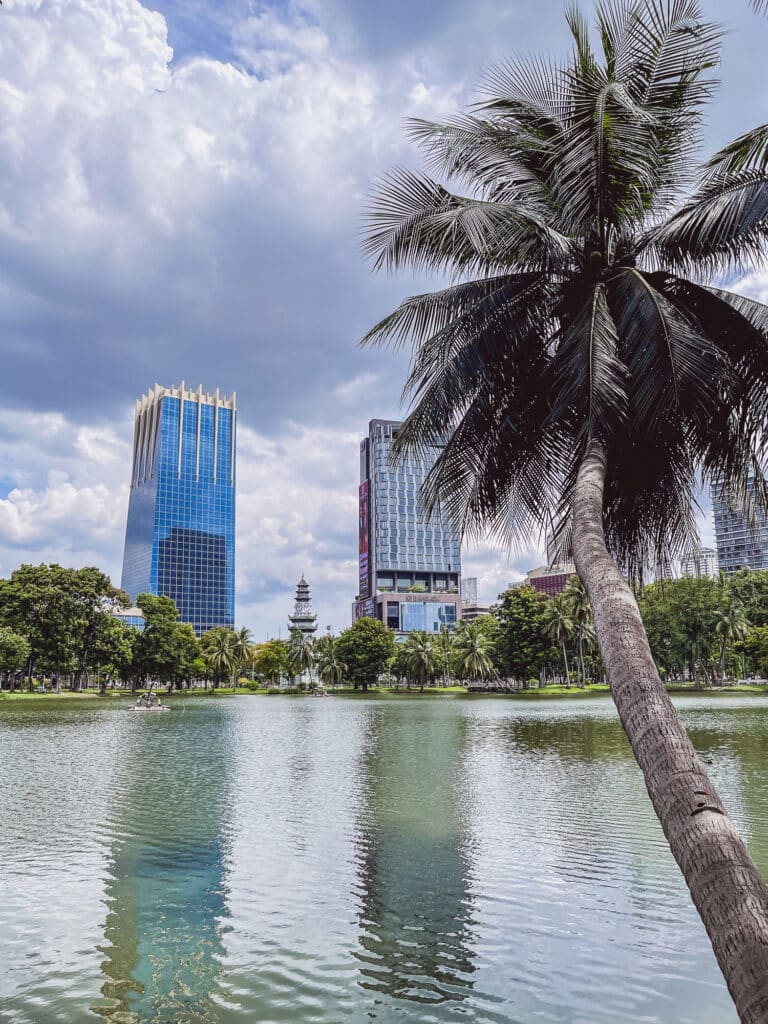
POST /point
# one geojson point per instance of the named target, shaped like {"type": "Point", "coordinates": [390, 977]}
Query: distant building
{"type": "Point", "coordinates": [180, 534]}
{"type": "Point", "coordinates": [469, 591]}
{"type": "Point", "coordinates": [470, 612]}
{"type": "Point", "coordinates": [131, 617]}
{"type": "Point", "coordinates": [740, 544]}
{"type": "Point", "coordinates": [663, 570]}
{"type": "Point", "coordinates": [550, 580]}
{"type": "Point", "coordinates": [700, 563]}
{"type": "Point", "coordinates": [409, 565]}
{"type": "Point", "coordinates": [303, 618]}
{"type": "Point", "coordinates": [470, 605]}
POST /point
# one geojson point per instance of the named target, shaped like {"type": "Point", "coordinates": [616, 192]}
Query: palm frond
{"type": "Point", "coordinates": [588, 379]}
{"type": "Point", "coordinates": [724, 224]}
{"type": "Point", "coordinates": [748, 151]}
{"type": "Point", "coordinates": [423, 316]}
{"type": "Point", "coordinates": [674, 369]}
{"type": "Point", "coordinates": [414, 221]}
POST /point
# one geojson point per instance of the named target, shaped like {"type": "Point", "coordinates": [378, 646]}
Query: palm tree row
{"type": "Point", "coordinates": [305, 653]}
{"type": "Point", "coordinates": [465, 655]}
{"type": "Point", "coordinates": [227, 652]}
{"type": "Point", "coordinates": [567, 617]}
{"type": "Point", "coordinates": [582, 370]}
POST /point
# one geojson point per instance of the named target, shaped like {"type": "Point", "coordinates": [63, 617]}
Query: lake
{"type": "Point", "coordinates": [262, 859]}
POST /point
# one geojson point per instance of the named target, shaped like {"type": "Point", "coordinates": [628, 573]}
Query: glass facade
{"type": "Point", "coordinates": [401, 549]}
{"type": "Point", "coordinates": [740, 544]}
{"type": "Point", "coordinates": [180, 536]}
{"type": "Point", "coordinates": [403, 539]}
{"type": "Point", "coordinates": [429, 617]}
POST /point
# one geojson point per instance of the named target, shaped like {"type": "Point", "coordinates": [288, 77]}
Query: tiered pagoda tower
{"type": "Point", "coordinates": [303, 618]}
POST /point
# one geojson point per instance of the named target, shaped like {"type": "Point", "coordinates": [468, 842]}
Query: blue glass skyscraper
{"type": "Point", "coordinates": [180, 535]}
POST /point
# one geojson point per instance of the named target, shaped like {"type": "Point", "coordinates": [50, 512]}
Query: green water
{"type": "Point", "coordinates": [266, 859]}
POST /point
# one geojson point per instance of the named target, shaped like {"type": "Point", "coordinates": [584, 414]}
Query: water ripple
{"type": "Point", "coordinates": [325, 861]}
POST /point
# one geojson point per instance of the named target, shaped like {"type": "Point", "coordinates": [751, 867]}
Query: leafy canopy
{"type": "Point", "coordinates": [580, 234]}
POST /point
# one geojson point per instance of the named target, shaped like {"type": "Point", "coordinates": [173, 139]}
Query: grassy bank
{"type": "Point", "coordinates": [437, 693]}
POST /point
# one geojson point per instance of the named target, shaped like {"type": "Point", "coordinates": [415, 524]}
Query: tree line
{"type": "Point", "coordinates": [59, 625]}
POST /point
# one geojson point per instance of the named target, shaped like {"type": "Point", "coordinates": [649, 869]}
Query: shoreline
{"type": "Point", "coordinates": [439, 693]}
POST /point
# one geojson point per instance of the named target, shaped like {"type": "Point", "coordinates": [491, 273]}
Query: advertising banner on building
{"type": "Point", "coordinates": [363, 535]}
{"type": "Point", "coordinates": [364, 609]}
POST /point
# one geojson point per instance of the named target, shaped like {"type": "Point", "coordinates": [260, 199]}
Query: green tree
{"type": "Point", "coordinates": [242, 646]}
{"type": "Point", "coordinates": [472, 653]}
{"type": "Point", "coordinates": [220, 652]}
{"type": "Point", "coordinates": [365, 648]}
{"type": "Point", "coordinates": [579, 372]}
{"type": "Point", "coordinates": [522, 646]}
{"type": "Point", "coordinates": [444, 645]}
{"type": "Point", "coordinates": [731, 624]}
{"type": "Point", "coordinates": [580, 611]}
{"type": "Point", "coordinates": [679, 619]}
{"type": "Point", "coordinates": [301, 653]}
{"type": "Point", "coordinates": [421, 658]}
{"type": "Point", "coordinates": [749, 588]}
{"type": "Point", "coordinates": [111, 650]}
{"type": "Point", "coordinates": [488, 625]}
{"type": "Point", "coordinates": [270, 661]}
{"type": "Point", "coordinates": [93, 600]}
{"type": "Point", "coordinates": [756, 647]}
{"type": "Point", "coordinates": [330, 668]}
{"type": "Point", "coordinates": [188, 653]}
{"type": "Point", "coordinates": [14, 654]}
{"type": "Point", "coordinates": [558, 626]}
{"type": "Point", "coordinates": [163, 652]}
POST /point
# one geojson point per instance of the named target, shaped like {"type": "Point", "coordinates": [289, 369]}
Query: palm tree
{"type": "Point", "coordinates": [731, 623]}
{"type": "Point", "coordinates": [578, 367]}
{"type": "Point", "coordinates": [301, 653]}
{"type": "Point", "coordinates": [221, 656]}
{"type": "Point", "coordinates": [559, 627]}
{"type": "Point", "coordinates": [241, 647]}
{"type": "Point", "coordinates": [472, 650]}
{"type": "Point", "coordinates": [575, 596]}
{"type": "Point", "coordinates": [421, 658]}
{"type": "Point", "coordinates": [330, 668]}
{"type": "Point", "coordinates": [445, 644]}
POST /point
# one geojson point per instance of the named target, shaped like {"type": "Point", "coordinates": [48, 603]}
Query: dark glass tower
{"type": "Point", "coordinates": [180, 536]}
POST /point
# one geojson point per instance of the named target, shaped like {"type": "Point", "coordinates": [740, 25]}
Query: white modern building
{"type": "Point", "coordinates": [700, 563]}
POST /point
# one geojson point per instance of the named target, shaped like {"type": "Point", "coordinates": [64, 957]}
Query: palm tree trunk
{"type": "Point", "coordinates": [567, 676]}
{"type": "Point", "coordinates": [726, 887]}
{"type": "Point", "coordinates": [722, 663]}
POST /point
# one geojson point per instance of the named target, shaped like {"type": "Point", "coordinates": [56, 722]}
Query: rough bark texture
{"type": "Point", "coordinates": [726, 887]}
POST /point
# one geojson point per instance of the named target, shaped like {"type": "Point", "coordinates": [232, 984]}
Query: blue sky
{"type": "Point", "coordinates": [183, 191]}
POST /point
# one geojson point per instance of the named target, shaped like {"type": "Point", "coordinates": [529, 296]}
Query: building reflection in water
{"type": "Point", "coordinates": [166, 892]}
{"type": "Point", "coordinates": [412, 860]}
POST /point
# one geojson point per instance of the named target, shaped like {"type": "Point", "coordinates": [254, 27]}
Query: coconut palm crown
{"type": "Point", "coordinates": [581, 237]}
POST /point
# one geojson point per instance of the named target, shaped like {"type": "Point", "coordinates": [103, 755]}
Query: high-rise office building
{"type": "Point", "coordinates": [180, 535]}
{"type": "Point", "coordinates": [741, 544]}
{"type": "Point", "coordinates": [700, 563]}
{"type": "Point", "coordinates": [409, 564]}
